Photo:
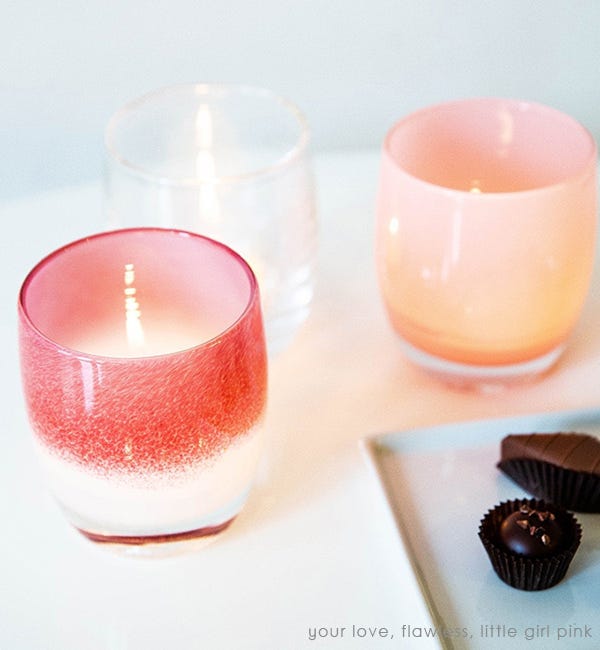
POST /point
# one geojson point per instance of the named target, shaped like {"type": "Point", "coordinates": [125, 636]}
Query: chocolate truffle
{"type": "Point", "coordinates": [534, 533]}
{"type": "Point", "coordinates": [562, 468]}
{"type": "Point", "coordinates": [529, 542]}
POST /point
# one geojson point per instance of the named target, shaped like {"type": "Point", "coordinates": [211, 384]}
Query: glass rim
{"type": "Point", "coordinates": [586, 168]}
{"type": "Point", "coordinates": [286, 160]}
{"type": "Point", "coordinates": [253, 294]}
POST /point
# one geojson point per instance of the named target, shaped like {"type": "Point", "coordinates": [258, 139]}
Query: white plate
{"type": "Point", "coordinates": [439, 482]}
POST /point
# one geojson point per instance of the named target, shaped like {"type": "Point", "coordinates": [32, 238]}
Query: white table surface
{"type": "Point", "coordinates": [315, 546]}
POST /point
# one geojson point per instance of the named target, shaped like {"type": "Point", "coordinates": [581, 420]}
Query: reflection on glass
{"type": "Point", "coordinates": [133, 322]}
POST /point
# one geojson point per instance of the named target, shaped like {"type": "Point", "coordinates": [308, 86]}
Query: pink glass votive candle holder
{"type": "Point", "coordinates": [144, 369]}
{"type": "Point", "coordinates": [486, 227]}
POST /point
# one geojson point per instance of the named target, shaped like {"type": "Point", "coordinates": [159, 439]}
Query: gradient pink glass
{"type": "Point", "coordinates": [142, 354]}
{"type": "Point", "coordinates": [486, 223]}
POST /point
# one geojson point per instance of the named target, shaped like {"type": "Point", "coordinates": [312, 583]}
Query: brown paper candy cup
{"type": "Point", "coordinates": [519, 571]}
{"type": "Point", "coordinates": [567, 488]}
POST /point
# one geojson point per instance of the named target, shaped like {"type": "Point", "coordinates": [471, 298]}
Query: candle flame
{"type": "Point", "coordinates": [208, 202]}
{"type": "Point", "coordinates": [204, 127]}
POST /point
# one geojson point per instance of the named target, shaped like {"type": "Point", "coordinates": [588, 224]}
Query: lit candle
{"type": "Point", "coordinates": [486, 235]}
{"type": "Point", "coordinates": [144, 368]}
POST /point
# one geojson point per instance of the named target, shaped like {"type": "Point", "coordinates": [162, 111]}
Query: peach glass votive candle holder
{"type": "Point", "coordinates": [486, 227]}
{"type": "Point", "coordinates": [144, 370]}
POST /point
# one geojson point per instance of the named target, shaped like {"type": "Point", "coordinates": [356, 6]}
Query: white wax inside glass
{"type": "Point", "coordinates": [158, 337]}
{"type": "Point", "coordinates": [138, 293]}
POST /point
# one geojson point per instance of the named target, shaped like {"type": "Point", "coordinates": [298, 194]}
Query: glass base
{"type": "Point", "coordinates": [152, 541]}
{"type": "Point", "coordinates": [483, 378]}
{"type": "Point", "coordinates": [159, 545]}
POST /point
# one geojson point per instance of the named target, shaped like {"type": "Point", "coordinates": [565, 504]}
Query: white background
{"type": "Point", "coordinates": [314, 547]}
{"type": "Point", "coordinates": [353, 66]}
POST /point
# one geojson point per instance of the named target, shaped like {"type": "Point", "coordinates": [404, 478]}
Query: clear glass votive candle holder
{"type": "Point", "coordinates": [144, 370]}
{"type": "Point", "coordinates": [231, 162]}
{"type": "Point", "coordinates": [486, 231]}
